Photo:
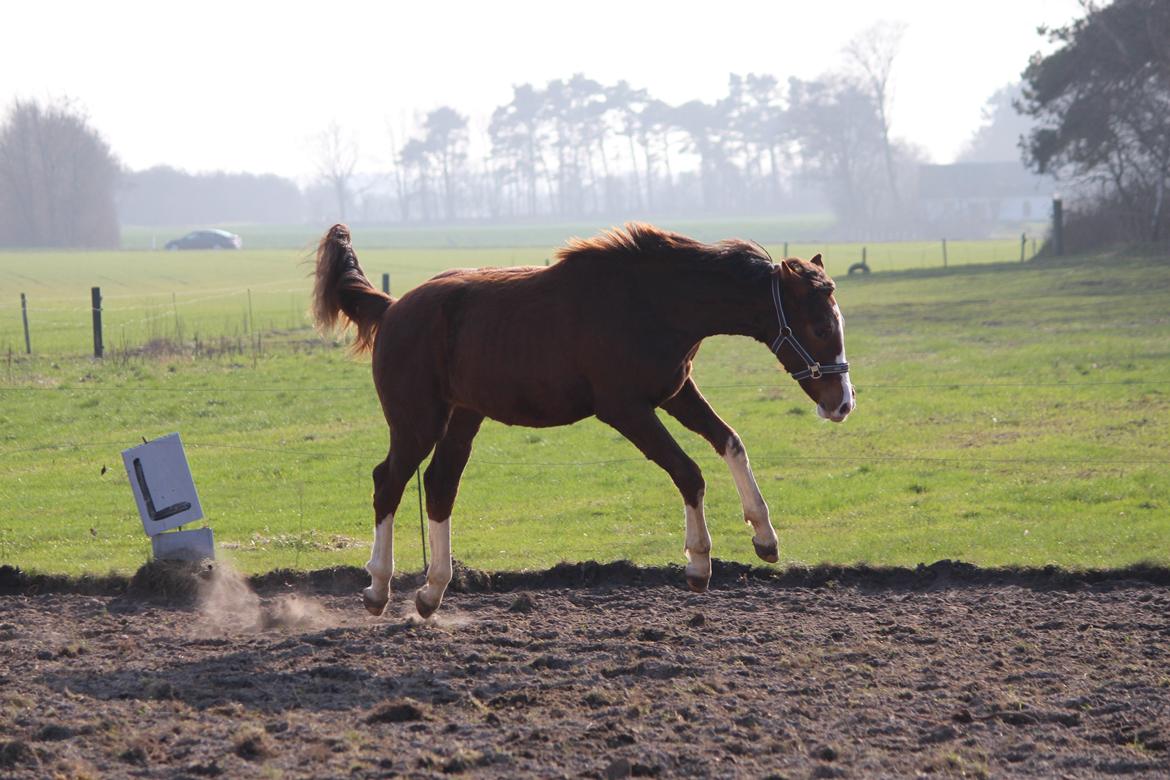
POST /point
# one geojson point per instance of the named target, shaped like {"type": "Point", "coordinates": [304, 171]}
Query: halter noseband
{"type": "Point", "coordinates": [812, 369]}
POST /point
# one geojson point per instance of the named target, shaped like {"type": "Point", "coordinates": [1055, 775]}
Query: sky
{"type": "Point", "coordinates": [249, 85]}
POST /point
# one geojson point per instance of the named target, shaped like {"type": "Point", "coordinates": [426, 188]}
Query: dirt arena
{"type": "Point", "coordinates": [589, 671]}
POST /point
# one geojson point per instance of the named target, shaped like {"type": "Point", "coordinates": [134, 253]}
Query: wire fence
{"type": "Point", "coordinates": [706, 386]}
{"type": "Point", "coordinates": [1045, 467]}
{"type": "Point", "coordinates": [268, 308]}
{"type": "Point", "coordinates": [54, 324]}
{"type": "Point", "coordinates": [230, 312]}
{"type": "Point", "coordinates": [929, 457]}
{"type": "Point", "coordinates": [124, 443]}
{"type": "Point", "coordinates": [180, 323]}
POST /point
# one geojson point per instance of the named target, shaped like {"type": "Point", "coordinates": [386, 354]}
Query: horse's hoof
{"type": "Point", "coordinates": [767, 552]}
{"type": "Point", "coordinates": [698, 584]}
{"type": "Point", "coordinates": [425, 609]}
{"type": "Point", "coordinates": [372, 605]}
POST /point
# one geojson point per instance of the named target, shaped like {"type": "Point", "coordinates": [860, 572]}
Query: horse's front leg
{"type": "Point", "coordinates": [643, 428]}
{"type": "Point", "coordinates": [691, 409]}
{"type": "Point", "coordinates": [755, 510]}
{"type": "Point", "coordinates": [697, 547]}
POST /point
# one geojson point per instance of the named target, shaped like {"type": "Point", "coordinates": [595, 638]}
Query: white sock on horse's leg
{"type": "Point", "coordinates": [755, 511]}
{"type": "Point", "coordinates": [430, 595]}
{"type": "Point", "coordinates": [380, 566]}
{"type": "Point", "coordinates": [698, 547]}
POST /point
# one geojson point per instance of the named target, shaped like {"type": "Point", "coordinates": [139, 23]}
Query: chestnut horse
{"type": "Point", "coordinates": [609, 330]}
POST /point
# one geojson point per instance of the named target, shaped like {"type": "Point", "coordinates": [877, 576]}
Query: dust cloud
{"type": "Point", "coordinates": [228, 605]}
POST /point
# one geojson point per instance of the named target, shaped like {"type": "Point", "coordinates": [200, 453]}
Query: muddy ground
{"type": "Point", "coordinates": [590, 671]}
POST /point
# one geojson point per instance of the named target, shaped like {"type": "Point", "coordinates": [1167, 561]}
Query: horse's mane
{"type": "Point", "coordinates": [639, 242]}
{"type": "Point", "coordinates": [814, 275]}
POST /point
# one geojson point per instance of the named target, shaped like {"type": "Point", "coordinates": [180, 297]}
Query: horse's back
{"type": "Point", "coordinates": [502, 341]}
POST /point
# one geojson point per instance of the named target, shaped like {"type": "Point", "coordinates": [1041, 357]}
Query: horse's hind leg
{"type": "Point", "coordinates": [692, 410]}
{"type": "Point", "coordinates": [442, 483]}
{"type": "Point", "coordinates": [407, 450]}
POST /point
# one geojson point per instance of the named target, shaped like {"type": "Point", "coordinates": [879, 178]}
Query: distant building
{"type": "Point", "coordinates": [980, 196]}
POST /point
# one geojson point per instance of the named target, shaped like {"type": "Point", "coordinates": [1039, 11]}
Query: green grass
{"type": "Point", "coordinates": [1008, 414]}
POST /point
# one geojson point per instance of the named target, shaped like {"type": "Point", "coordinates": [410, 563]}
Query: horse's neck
{"type": "Point", "coordinates": [706, 302]}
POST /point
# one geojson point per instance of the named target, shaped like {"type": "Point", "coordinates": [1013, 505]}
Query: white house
{"type": "Point", "coordinates": [984, 193]}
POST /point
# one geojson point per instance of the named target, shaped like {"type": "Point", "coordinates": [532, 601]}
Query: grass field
{"type": "Point", "coordinates": [460, 236]}
{"type": "Point", "coordinates": [221, 298]}
{"type": "Point", "coordinates": [1008, 414]}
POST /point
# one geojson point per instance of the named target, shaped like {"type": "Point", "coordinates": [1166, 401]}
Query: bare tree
{"type": "Point", "coordinates": [337, 159]}
{"type": "Point", "coordinates": [415, 158]}
{"type": "Point", "coordinates": [834, 123]}
{"type": "Point", "coordinates": [446, 141]}
{"type": "Point", "coordinates": [401, 185]}
{"type": "Point", "coordinates": [629, 104]}
{"type": "Point", "coordinates": [872, 55]}
{"type": "Point", "coordinates": [57, 179]}
{"type": "Point", "coordinates": [518, 138]}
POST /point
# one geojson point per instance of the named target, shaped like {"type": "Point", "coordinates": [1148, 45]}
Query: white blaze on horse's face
{"type": "Point", "coordinates": [845, 401]}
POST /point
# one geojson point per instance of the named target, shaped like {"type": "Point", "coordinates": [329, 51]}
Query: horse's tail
{"type": "Point", "coordinates": [342, 295]}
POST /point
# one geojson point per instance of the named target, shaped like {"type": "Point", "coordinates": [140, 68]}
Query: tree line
{"type": "Point", "coordinates": [1096, 113]}
{"type": "Point", "coordinates": [576, 147]}
{"type": "Point", "coordinates": [57, 179]}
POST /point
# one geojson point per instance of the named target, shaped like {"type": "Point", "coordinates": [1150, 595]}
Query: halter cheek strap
{"type": "Point", "coordinates": [812, 369]}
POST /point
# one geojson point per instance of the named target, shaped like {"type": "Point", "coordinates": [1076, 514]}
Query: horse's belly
{"type": "Point", "coordinates": [533, 404]}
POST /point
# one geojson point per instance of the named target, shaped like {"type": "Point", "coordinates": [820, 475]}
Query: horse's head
{"type": "Point", "coordinates": [809, 335]}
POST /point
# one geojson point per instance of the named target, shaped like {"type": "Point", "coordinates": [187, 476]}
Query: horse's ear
{"type": "Point", "coordinates": [816, 260]}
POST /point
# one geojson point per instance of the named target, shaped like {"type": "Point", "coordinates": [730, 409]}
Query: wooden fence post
{"type": "Point", "coordinates": [1057, 226]}
{"type": "Point", "coordinates": [178, 325]}
{"type": "Point", "coordinates": [785, 249]}
{"type": "Point", "coordinates": [96, 298]}
{"type": "Point", "coordinates": [1023, 245]}
{"type": "Point", "coordinates": [386, 283]}
{"type": "Point", "coordinates": [24, 316]}
{"type": "Point", "coordinates": [944, 253]}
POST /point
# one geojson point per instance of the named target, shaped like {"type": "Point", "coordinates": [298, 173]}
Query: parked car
{"type": "Point", "coordinates": [206, 239]}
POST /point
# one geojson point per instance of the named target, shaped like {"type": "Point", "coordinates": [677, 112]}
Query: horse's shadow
{"type": "Point", "coordinates": [266, 677]}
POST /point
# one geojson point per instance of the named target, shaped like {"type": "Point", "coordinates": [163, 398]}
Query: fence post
{"type": "Point", "coordinates": [1057, 226]}
{"type": "Point", "coordinates": [863, 256]}
{"type": "Point", "coordinates": [785, 249]}
{"type": "Point", "coordinates": [178, 325]}
{"type": "Point", "coordinates": [944, 253]}
{"type": "Point", "coordinates": [96, 298]}
{"type": "Point", "coordinates": [386, 283]}
{"type": "Point", "coordinates": [24, 316]}
{"type": "Point", "coordinates": [1023, 245]}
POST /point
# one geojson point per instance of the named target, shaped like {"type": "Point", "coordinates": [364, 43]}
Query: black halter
{"type": "Point", "coordinates": [812, 369]}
